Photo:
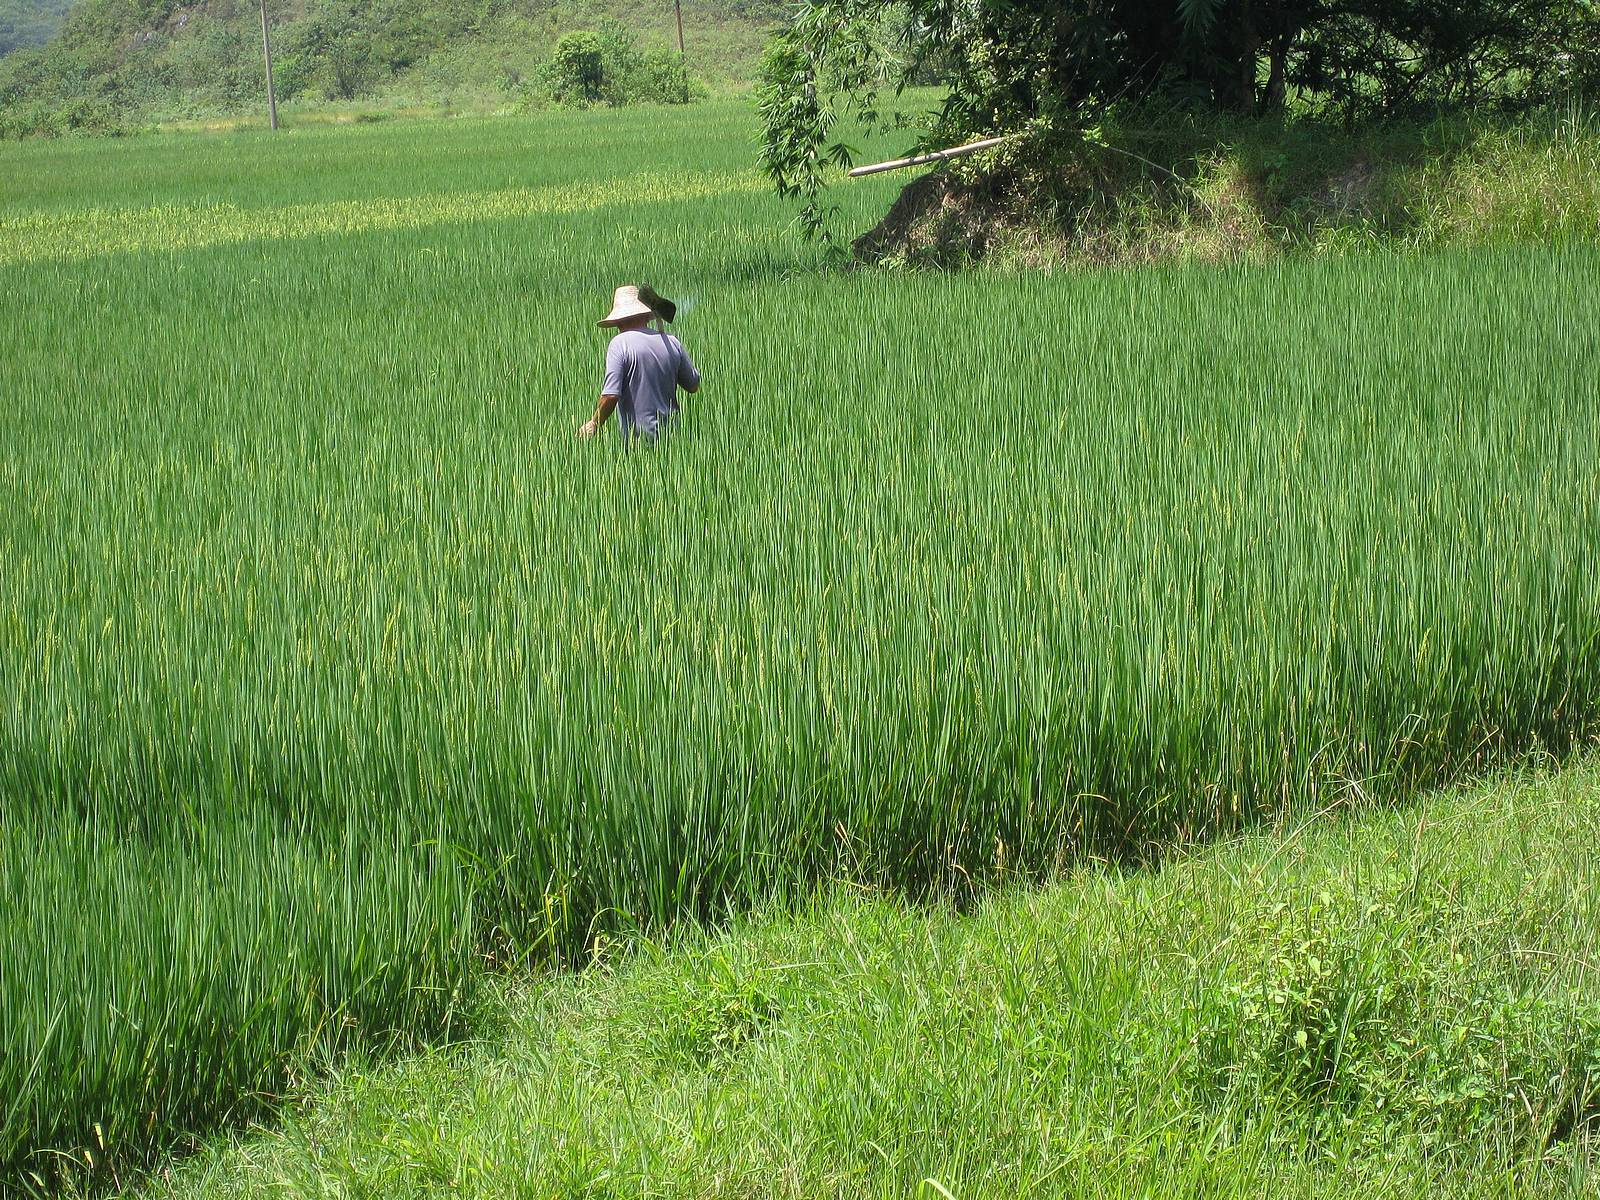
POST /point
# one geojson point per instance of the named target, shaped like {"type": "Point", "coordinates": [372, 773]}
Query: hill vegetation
{"type": "Point", "coordinates": [118, 65]}
{"type": "Point", "coordinates": [29, 22]}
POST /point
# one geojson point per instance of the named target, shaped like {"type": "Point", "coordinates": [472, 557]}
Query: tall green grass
{"type": "Point", "coordinates": [1396, 1006]}
{"type": "Point", "coordinates": [329, 659]}
{"type": "Point", "coordinates": [162, 983]}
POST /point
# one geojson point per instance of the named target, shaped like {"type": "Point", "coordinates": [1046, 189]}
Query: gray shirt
{"type": "Point", "coordinates": [644, 370]}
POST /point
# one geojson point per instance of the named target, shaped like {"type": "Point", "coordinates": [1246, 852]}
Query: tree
{"type": "Point", "coordinates": [577, 70]}
{"type": "Point", "coordinates": [1376, 57]}
{"type": "Point", "coordinates": [1047, 67]}
{"type": "Point", "coordinates": [604, 66]}
{"type": "Point", "coordinates": [332, 40]}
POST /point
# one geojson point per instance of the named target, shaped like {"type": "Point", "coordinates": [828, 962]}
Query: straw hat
{"type": "Point", "coordinates": [625, 303]}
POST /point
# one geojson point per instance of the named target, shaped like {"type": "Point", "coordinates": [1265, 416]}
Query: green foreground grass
{"type": "Point", "coordinates": [332, 669]}
{"type": "Point", "coordinates": [1400, 1003]}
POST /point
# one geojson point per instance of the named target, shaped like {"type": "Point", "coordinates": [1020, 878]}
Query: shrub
{"type": "Point", "coordinates": [589, 67]}
{"type": "Point", "coordinates": [577, 71]}
{"type": "Point", "coordinates": [1403, 1005]}
{"type": "Point", "coordinates": [662, 78]}
{"type": "Point", "coordinates": [331, 46]}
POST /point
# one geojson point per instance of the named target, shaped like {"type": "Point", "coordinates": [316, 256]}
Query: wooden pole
{"type": "Point", "coordinates": [937, 156]}
{"type": "Point", "coordinates": [266, 52]}
{"type": "Point", "coordinates": [683, 59]}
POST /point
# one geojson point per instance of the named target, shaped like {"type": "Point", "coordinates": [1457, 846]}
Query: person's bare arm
{"type": "Point", "coordinates": [688, 377]}
{"type": "Point", "coordinates": [602, 413]}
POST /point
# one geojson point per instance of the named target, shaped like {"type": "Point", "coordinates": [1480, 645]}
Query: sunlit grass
{"type": "Point", "coordinates": [95, 233]}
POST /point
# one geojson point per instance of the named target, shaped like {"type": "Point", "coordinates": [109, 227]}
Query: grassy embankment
{"type": "Point", "coordinates": [1169, 187]}
{"type": "Point", "coordinates": [312, 601]}
{"type": "Point", "coordinates": [1402, 1005]}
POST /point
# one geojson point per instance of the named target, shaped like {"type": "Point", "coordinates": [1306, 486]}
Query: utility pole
{"type": "Point", "coordinates": [266, 52]}
{"type": "Point", "coordinates": [683, 59]}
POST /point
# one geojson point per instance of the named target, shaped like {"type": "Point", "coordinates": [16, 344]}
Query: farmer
{"type": "Point", "coordinates": [645, 367]}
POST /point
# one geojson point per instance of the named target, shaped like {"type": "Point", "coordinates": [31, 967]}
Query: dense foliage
{"type": "Point", "coordinates": [1052, 68]}
{"type": "Point", "coordinates": [604, 66]}
{"type": "Point", "coordinates": [329, 659]}
{"type": "Point", "coordinates": [29, 22]}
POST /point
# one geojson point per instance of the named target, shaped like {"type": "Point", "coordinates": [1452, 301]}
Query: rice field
{"type": "Point", "coordinates": [334, 669]}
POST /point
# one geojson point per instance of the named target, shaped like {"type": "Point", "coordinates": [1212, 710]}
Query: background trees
{"type": "Point", "coordinates": [1051, 66]}
{"type": "Point", "coordinates": [29, 22]}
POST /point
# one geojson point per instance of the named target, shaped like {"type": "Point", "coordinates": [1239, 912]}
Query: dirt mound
{"type": "Point", "coordinates": [941, 220]}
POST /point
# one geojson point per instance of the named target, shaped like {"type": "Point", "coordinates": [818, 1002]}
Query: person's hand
{"type": "Point", "coordinates": [588, 429]}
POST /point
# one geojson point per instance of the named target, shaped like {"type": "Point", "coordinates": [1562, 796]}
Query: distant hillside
{"type": "Point", "coordinates": [29, 22]}
{"type": "Point", "coordinates": [118, 64]}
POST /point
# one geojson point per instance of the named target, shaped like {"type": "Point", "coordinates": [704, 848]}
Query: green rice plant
{"type": "Point", "coordinates": [329, 659]}
{"type": "Point", "coordinates": [1399, 1005]}
{"type": "Point", "coordinates": [168, 982]}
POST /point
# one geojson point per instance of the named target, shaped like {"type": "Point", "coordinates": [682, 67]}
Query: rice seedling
{"type": "Point", "coordinates": [329, 659]}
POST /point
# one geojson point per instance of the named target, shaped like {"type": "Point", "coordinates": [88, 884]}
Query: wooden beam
{"type": "Point", "coordinates": [897, 164]}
